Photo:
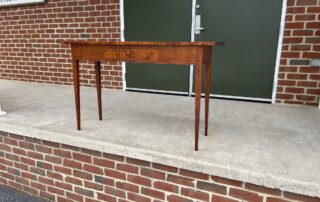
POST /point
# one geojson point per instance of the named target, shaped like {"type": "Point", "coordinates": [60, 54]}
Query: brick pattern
{"type": "Point", "coordinates": [60, 172]}
{"type": "Point", "coordinates": [299, 82]}
{"type": "Point", "coordinates": [30, 37]}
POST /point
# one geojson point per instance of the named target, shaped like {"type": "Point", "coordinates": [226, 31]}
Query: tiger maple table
{"type": "Point", "coordinates": [182, 53]}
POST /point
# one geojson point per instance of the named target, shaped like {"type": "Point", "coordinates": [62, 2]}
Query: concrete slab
{"type": "Point", "coordinates": [270, 145]}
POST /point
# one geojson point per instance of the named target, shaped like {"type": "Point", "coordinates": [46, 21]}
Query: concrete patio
{"type": "Point", "coordinates": [270, 145]}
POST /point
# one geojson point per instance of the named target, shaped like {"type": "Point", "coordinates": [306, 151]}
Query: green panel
{"type": "Point", "coordinates": [157, 20]}
{"type": "Point", "coordinates": [245, 65]}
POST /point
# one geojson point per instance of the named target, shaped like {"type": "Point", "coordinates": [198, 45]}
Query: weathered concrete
{"type": "Point", "coordinates": [270, 145]}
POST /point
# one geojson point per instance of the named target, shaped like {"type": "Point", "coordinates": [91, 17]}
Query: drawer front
{"type": "Point", "coordinates": [131, 54]}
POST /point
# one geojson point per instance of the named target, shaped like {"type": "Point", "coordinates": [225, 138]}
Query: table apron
{"type": "Point", "coordinates": [183, 55]}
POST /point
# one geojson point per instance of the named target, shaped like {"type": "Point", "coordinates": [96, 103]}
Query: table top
{"type": "Point", "coordinates": [144, 43]}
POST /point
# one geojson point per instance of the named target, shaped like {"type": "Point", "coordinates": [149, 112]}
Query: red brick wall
{"type": "Point", "coordinates": [30, 36]}
{"type": "Point", "coordinates": [30, 48]}
{"type": "Point", "coordinates": [299, 83]}
{"type": "Point", "coordinates": [64, 173]}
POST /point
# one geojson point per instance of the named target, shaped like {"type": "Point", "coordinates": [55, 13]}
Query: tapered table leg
{"type": "Point", "coordinates": [98, 83]}
{"type": "Point", "coordinates": [208, 82]}
{"type": "Point", "coordinates": [76, 81]}
{"type": "Point", "coordinates": [198, 85]}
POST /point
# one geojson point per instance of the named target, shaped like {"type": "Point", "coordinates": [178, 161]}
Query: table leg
{"type": "Point", "coordinates": [98, 83]}
{"type": "Point", "coordinates": [208, 82]}
{"type": "Point", "coordinates": [198, 85]}
{"type": "Point", "coordinates": [75, 67]}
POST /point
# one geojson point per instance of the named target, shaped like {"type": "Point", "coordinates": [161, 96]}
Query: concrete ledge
{"type": "Point", "coordinates": [37, 116]}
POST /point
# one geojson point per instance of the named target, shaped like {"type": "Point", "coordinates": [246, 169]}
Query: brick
{"type": "Point", "coordinates": [69, 147]}
{"type": "Point", "coordinates": [245, 195]}
{"type": "Point", "coordinates": [192, 174]}
{"type": "Point", "coordinates": [38, 186]}
{"type": "Point", "coordinates": [127, 187]}
{"type": "Point", "coordinates": [174, 198]}
{"type": "Point", "coordinates": [217, 198]}
{"type": "Point", "coordinates": [299, 62]}
{"type": "Point", "coordinates": [113, 157]}
{"type": "Point", "coordinates": [46, 181]}
{"type": "Point", "coordinates": [309, 98]}
{"type": "Point", "coordinates": [93, 169]}
{"type": "Point", "coordinates": [82, 157]}
{"type": "Point", "coordinates": [115, 174]}
{"type": "Point", "coordinates": [139, 180]}
{"type": "Point", "coordinates": [72, 164]}
{"type": "Point", "coordinates": [299, 197]}
{"type": "Point", "coordinates": [62, 199]}
{"type": "Point", "coordinates": [10, 141]}
{"type": "Point", "coordinates": [306, 2]}
{"type": "Point", "coordinates": [44, 165]}
{"type": "Point", "coordinates": [63, 185]}
{"type": "Point", "coordinates": [127, 168]}
{"type": "Point", "coordinates": [73, 180]}
{"type": "Point", "coordinates": [311, 55]}
{"type": "Point", "coordinates": [104, 163]}
{"type": "Point", "coordinates": [262, 189]}
{"type": "Point", "coordinates": [152, 193]}
{"type": "Point", "coordinates": [26, 145]}
{"type": "Point", "coordinates": [313, 91]}
{"type": "Point", "coordinates": [152, 173]}
{"type": "Point", "coordinates": [91, 152]}
{"type": "Point", "coordinates": [284, 96]}
{"type": "Point", "coordinates": [297, 76]}
{"type": "Point", "coordinates": [84, 192]}
{"type": "Point", "coordinates": [19, 151]}
{"type": "Point", "coordinates": [115, 192]}
{"type": "Point", "coordinates": [106, 197]}
{"type": "Point", "coordinates": [212, 187]}
{"type": "Point", "coordinates": [138, 162]}
{"type": "Point", "coordinates": [62, 169]}
{"type": "Point", "coordinates": [62, 153]}
{"type": "Point", "coordinates": [55, 190]}
{"type": "Point", "coordinates": [294, 90]}
{"type": "Point", "coordinates": [75, 197]}
{"type": "Point", "coordinates": [92, 185]}
{"type": "Point", "coordinates": [38, 171]}
{"type": "Point", "coordinates": [103, 180]}
{"type": "Point", "coordinates": [165, 168]}
{"type": "Point", "coordinates": [302, 33]}
{"type": "Point", "coordinates": [47, 195]}
{"type": "Point", "coordinates": [311, 84]}
{"type": "Point", "coordinates": [4, 147]}
{"type": "Point", "coordinates": [272, 199]}
{"type": "Point", "coordinates": [136, 197]}
{"type": "Point", "coordinates": [195, 194]}
{"type": "Point", "coordinates": [166, 187]}
{"type": "Point", "coordinates": [53, 159]}
{"type": "Point", "coordinates": [28, 176]}
{"type": "Point", "coordinates": [181, 180]}
{"type": "Point", "coordinates": [54, 175]}
{"type": "Point", "coordinates": [35, 155]}
{"type": "Point", "coordinates": [82, 175]}
{"type": "Point", "coordinates": [301, 48]}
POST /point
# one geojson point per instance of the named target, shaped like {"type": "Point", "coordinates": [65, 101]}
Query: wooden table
{"type": "Point", "coordinates": [183, 53]}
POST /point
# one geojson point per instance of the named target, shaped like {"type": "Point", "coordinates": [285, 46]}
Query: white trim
{"type": "Point", "coordinates": [194, 3]}
{"type": "Point", "coordinates": [159, 91]}
{"type": "Point", "coordinates": [240, 98]}
{"type": "Point", "coordinates": [123, 64]}
{"type": "Point", "coordinates": [280, 42]}
{"type": "Point", "coordinates": [237, 97]}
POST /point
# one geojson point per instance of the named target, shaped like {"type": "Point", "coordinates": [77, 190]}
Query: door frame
{"type": "Point", "coordinates": [190, 93]}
